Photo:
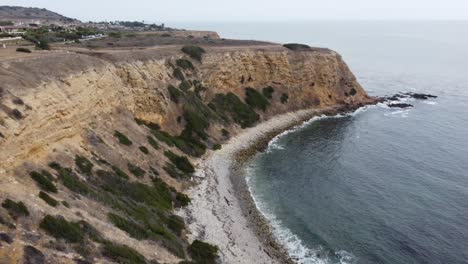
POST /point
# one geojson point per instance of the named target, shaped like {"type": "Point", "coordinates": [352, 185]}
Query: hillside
{"type": "Point", "coordinates": [99, 145]}
{"type": "Point", "coordinates": [18, 13]}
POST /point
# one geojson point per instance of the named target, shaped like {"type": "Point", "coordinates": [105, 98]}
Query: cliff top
{"type": "Point", "coordinates": [66, 59]}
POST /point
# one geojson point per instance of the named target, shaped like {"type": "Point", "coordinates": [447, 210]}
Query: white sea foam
{"type": "Point", "coordinates": [274, 143]}
{"type": "Point", "coordinates": [430, 102]}
{"type": "Point", "coordinates": [402, 113]}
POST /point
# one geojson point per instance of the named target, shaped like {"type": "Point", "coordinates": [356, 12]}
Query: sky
{"type": "Point", "coordinates": [252, 10]}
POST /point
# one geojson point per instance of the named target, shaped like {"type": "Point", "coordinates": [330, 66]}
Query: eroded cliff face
{"type": "Point", "coordinates": [60, 105]}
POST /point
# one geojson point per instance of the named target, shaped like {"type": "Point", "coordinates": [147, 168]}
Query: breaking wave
{"type": "Point", "coordinates": [274, 143]}
{"type": "Point", "coordinates": [295, 247]}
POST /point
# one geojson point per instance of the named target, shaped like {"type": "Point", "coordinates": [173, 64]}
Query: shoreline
{"type": "Point", "coordinates": [223, 211]}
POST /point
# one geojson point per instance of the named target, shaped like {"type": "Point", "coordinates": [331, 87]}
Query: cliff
{"type": "Point", "coordinates": [111, 128]}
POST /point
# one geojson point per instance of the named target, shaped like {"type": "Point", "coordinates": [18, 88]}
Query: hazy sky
{"type": "Point", "coordinates": [251, 10]}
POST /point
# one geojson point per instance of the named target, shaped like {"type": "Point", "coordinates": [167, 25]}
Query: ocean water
{"type": "Point", "coordinates": [380, 185]}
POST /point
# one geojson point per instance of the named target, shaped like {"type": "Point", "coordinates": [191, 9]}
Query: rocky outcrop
{"type": "Point", "coordinates": [60, 104]}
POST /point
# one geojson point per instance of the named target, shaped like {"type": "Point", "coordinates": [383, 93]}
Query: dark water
{"type": "Point", "coordinates": [382, 185]}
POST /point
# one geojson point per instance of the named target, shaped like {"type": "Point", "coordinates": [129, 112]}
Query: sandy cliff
{"type": "Point", "coordinates": [59, 104]}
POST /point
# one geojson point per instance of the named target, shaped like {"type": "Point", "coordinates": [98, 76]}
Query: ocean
{"type": "Point", "coordinates": [380, 185]}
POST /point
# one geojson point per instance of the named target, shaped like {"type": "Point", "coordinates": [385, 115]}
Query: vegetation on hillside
{"type": "Point", "coordinates": [229, 106]}
{"type": "Point", "coordinates": [255, 99]}
{"type": "Point", "coordinates": [185, 64]}
{"type": "Point", "coordinates": [296, 46]}
{"type": "Point", "coordinates": [24, 50]}
{"type": "Point", "coordinates": [59, 227]}
{"type": "Point", "coordinates": [122, 254]}
{"type": "Point", "coordinates": [182, 163]}
{"type": "Point", "coordinates": [48, 199]}
{"type": "Point", "coordinates": [194, 52]}
{"type": "Point", "coordinates": [123, 139]}
{"type": "Point", "coordinates": [268, 92]}
{"type": "Point", "coordinates": [178, 74]}
{"type": "Point", "coordinates": [44, 181]}
{"type": "Point", "coordinates": [174, 94]}
{"type": "Point", "coordinates": [84, 165]}
{"type": "Point", "coordinates": [15, 209]}
{"type": "Point", "coordinates": [203, 252]}
{"type": "Point", "coordinates": [141, 210]}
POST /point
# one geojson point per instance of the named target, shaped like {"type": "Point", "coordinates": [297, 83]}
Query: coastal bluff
{"type": "Point", "coordinates": [116, 132]}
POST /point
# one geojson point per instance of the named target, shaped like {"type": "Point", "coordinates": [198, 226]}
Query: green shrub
{"type": "Point", "coordinates": [16, 114]}
{"type": "Point", "coordinates": [70, 179]}
{"type": "Point", "coordinates": [60, 228]}
{"type": "Point", "coordinates": [15, 209]}
{"type": "Point", "coordinates": [122, 254]}
{"type": "Point", "coordinates": [188, 143]}
{"type": "Point", "coordinates": [176, 224]}
{"type": "Point", "coordinates": [133, 229]}
{"type": "Point", "coordinates": [43, 44]}
{"type": "Point", "coordinates": [48, 175]}
{"type": "Point", "coordinates": [203, 252]}
{"type": "Point", "coordinates": [185, 64]}
{"type": "Point", "coordinates": [216, 146]}
{"type": "Point", "coordinates": [185, 85]}
{"type": "Point", "coordinates": [173, 171]}
{"type": "Point", "coordinates": [178, 74]}
{"type": "Point", "coordinates": [18, 101]}
{"type": "Point", "coordinates": [230, 105]}
{"type": "Point", "coordinates": [157, 196]}
{"type": "Point", "coordinates": [135, 170]}
{"type": "Point", "coordinates": [225, 133]}
{"type": "Point", "coordinates": [51, 201]}
{"type": "Point", "coordinates": [296, 46]}
{"type": "Point", "coordinates": [268, 92]}
{"type": "Point", "coordinates": [90, 231]}
{"type": "Point", "coordinates": [43, 181]}
{"type": "Point", "coordinates": [122, 138]}
{"type": "Point", "coordinates": [164, 137]}
{"type": "Point", "coordinates": [182, 163]}
{"type": "Point", "coordinates": [148, 124]}
{"type": "Point", "coordinates": [284, 98]}
{"type": "Point", "coordinates": [152, 142]}
{"type": "Point", "coordinates": [143, 209]}
{"type": "Point", "coordinates": [66, 204]}
{"type": "Point", "coordinates": [196, 122]}
{"type": "Point", "coordinates": [54, 165]}
{"type": "Point", "coordinates": [84, 165]}
{"type": "Point", "coordinates": [182, 199]}
{"type": "Point", "coordinates": [352, 92]}
{"type": "Point", "coordinates": [194, 52]}
{"type": "Point", "coordinates": [255, 99]}
{"type": "Point", "coordinates": [6, 23]}
{"type": "Point", "coordinates": [25, 50]}
{"type": "Point", "coordinates": [120, 173]}
{"type": "Point", "coordinates": [115, 34]}
{"type": "Point", "coordinates": [144, 149]}
{"type": "Point", "coordinates": [174, 93]}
